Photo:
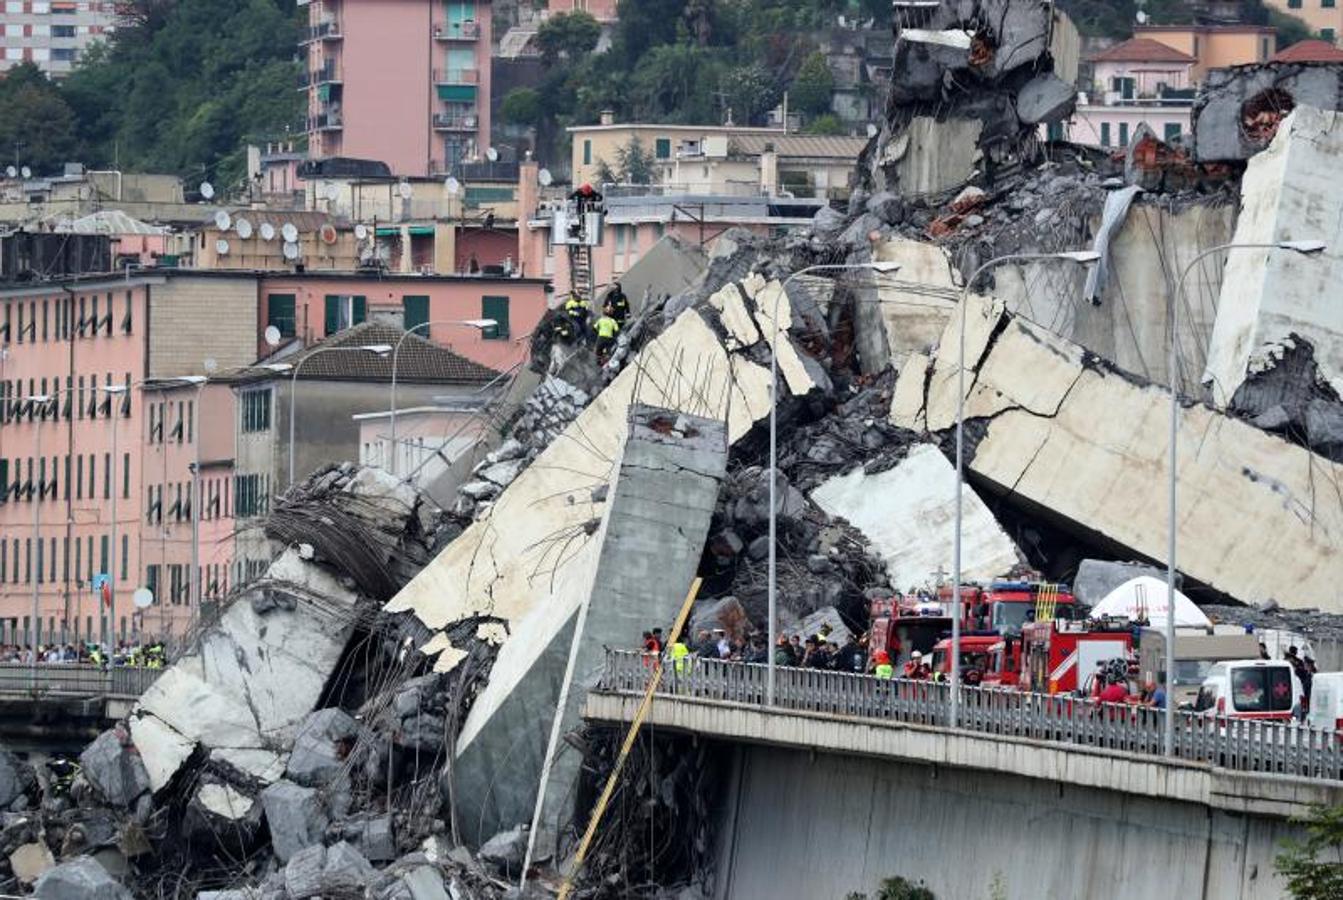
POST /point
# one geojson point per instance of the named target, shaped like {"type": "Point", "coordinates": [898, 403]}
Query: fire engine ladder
{"type": "Point", "coordinates": [1045, 602]}
{"type": "Point", "coordinates": [581, 277]}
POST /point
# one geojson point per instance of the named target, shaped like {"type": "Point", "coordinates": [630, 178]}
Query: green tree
{"type": "Point", "coordinates": [1313, 869]}
{"type": "Point", "coordinates": [37, 126]}
{"type": "Point", "coordinates": [825, 124]}
{"type": "Point", "coordinates": [673, 83]}
{"type": "Point", "coordinates": [521, 106]}
{"type": "Point", "coordinates": [749, 91]}
{"type": "Point", "coordinates": [569, 35]}
{"type": "Point", "coordinates": [636, 162]}
{"type": "Point", "coordinates": [813, 85]}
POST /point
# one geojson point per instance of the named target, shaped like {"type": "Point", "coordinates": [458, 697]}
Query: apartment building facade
{"type": "Point", "coordinates": [52, 34]}
{"type": "Point", "coordinates": [1325, 17]}
{"type": "Point", "coordinates": [99, 434]}
{"type": "Point", "coordinates": [1138, 82]}
{"type": "Point", "coordinates": [405, 82]}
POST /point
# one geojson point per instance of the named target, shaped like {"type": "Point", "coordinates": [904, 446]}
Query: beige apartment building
{"type": "Point", "coordinates": [51, 33]}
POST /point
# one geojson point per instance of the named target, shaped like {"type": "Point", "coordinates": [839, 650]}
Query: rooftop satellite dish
{"type": "Point", "coordinates": [453, 185]}
{"type": "Point", "coordinates": [361, 232]}
{"type": "Point", "coordinates": [492, 154]}
{"type": "Point", "coordinates": [223, 221]}
{"type": "Point", "coordinates": [143, 598]}
{"type": "Point", "coordinates": [327, 234]}
{"type": "Point", "coordinates": [211, 365]}
{"type": "Point", "coordinates": [289, 232]}
{"type": "Point", "coordinates": [244, 228]}
{"type": "Point", "coordinates": [221, 247]}
{"type": "Point", "coordinates": [12, 172]}
{"type": "Point", "coordinates": [405, 190]}
{"type": "Point", "coordinates": [272, 335]}
{"type": "Point", "coordinates": [290, 251]}
{"type": "Point", "coordinates": [267, 231]}
{"type": "Point", "coordinates": [545, 178]}
{"type": "Point", "coordinates": [26, 172]}
{"type": "Point", "coordinates": [207, 190]}
{"type": "Point", "coordinates": [333, 191]}
{"type": "Point", "coordinates": [1142, 17]}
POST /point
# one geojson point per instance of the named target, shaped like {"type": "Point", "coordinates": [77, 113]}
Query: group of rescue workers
{"type": "Point", "coordinates": [577, 325]}
{"type": "Point", "coordinates": [148, 656]}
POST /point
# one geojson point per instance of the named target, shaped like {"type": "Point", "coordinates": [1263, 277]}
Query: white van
{"type": "Point", "coordinates": [1250, 689]}
{"type": "Point", "coordinates": [1326, 702]}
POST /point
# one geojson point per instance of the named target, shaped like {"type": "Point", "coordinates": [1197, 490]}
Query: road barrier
{"type": "Point", "coordinates": [1238, 744]}
{"type": "Point", "coordinates": [75, 680]}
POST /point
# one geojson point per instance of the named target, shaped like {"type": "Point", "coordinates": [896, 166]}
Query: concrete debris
{"type": "Point", "coordinates": [1289, 397]}
{"type": "Point", "coordinates": [303, 874]}
{"type": "Point", "coordinates": [114, 767]}
{"type": "Point", "coordinates": [506, 850]}
{"type": "Point", "coordinates": [81, 878]}
{"type": "Point", "coordinates": [1096, 578]}
{"type": "Point", "coordinates": [17, 780]}
{"type": "Point", "coordinates": [295, 816]}
{"type": "Point", "coordinates": [908, 514]}
{"type": "Point", "coordinates": [373, 836]}
{"type": "Point", "coordinates": [322, 743]}
{"type": "Point", "coordinates": [1270, 295]}
{"type": "Point", "coordinates": [29, 861]}
{"type": "Point", "coordinates": [1045, 98]}
{"type": "Point", "coordinates": [1240, 108]}
{"type": "Point", "coordinates": [826, 622]}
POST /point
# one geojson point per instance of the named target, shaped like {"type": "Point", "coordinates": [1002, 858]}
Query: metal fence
{"type": "Point", "coordinates": [1238, 744]}
{"type": "Point", "coordinates": [75, 680]}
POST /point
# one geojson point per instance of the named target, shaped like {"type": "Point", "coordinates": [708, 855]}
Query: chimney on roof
{"type": "Point", "coordinates": [769, 171]}
{"type": "Point", "coordinates": [608, 117]}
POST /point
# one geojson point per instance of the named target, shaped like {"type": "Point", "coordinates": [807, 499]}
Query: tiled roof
{"type": "Point", "coordinates": [815, 146]}
{"type": "Point", "coordinates": [1313, 50]}
{"type": "Point", "coordinates": [418, 362]}
{"type": "Point", "coordinates": [1143, 50]}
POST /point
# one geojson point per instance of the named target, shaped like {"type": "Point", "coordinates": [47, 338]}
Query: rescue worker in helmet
{"type": "Point", "coordinates": [607, 328]}
{"type": "Point", "coordinates": [617, 304]}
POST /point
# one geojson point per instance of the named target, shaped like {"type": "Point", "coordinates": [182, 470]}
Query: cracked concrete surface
{"type": "Point", "coordinates": [1086, 445]}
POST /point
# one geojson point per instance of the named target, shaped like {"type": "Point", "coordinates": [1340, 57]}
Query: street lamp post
{"type": "Point", "coordinates": [482, 324]}
{"type": "Point", "coordinates": [36, 400]}
{"type": "Point", "coordinates": [1081, 257]}
{"type": "Point", "coordinates": [1305, 248]}
{"type": "Point", "coordinates": [115, 390]}
{"type": "Point", "coordinates": [377, 349]}
{"type": "Point", "coordinates": [883, 267]}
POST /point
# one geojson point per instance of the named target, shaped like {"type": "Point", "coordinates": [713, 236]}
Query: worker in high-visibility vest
{"type": "Point", "coordinates": [607, 328]}
{"type": "Point", "coordinates": [680, 654]}
{"type": "Point", "coordinates": [578, 309]}
{"type": "Point", "coordinates": [883, 669]}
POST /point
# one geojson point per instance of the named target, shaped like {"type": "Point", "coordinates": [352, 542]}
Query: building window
{"type": "Point", "coordinates": [280, 313]}
{"type": "Point", "coordinates": [256, 410]}
{"type": "Point", "coordinates": [1172, 131]}
{"type": "Point", "coordinates": [1293, 4]}
{"type": "Point", "coordinates": [587, 153]}
{"type": "Point", "coordinates": [1123, 134]}
{"type": "Point", "coordinates": [1105, 134]}
{"type": "Point", "coordinates": [415, 312]}
{"type": "Point", "coordinates": [1327, 34]}
{"type": "Point", "coordinates": [663, 148]}
{"type": "Point", "coordinates": [62, 31]}
{"type": "Point", "coordinates": [495, 308]}
{"type": "Point", "coordinates": [342, 311]}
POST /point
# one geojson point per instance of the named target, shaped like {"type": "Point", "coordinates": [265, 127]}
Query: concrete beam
{"type": "Point", "coordinates": [1190, 782]}
{"type": "Point", "coordinates": [1246, 496]}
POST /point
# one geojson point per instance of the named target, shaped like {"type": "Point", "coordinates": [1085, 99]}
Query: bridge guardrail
{"type": "Point", "coordinates": [76, 680]}
{"type": "Point", "coordinates": [1238, 744]}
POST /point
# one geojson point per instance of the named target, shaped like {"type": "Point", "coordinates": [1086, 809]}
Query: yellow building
{"type": "Point", "coordinates": [1216, 46]}
{"type": "Point", "coordinates": [595, 144]}
{"type": "Point", "coordinates": [1325, 17]}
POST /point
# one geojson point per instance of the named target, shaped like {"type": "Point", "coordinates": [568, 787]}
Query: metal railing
{"type": "Point", "coordinates": [456, 76]}
{"type": "Point", "coordinates": [457, 31]}
{"type": "Point", "coordinates": [324, 120]}
{"type": "Point", "coordinates": [320, 31]}
{"type": "Point", "coordinates": [1238, 744]}
{"type": "Point", "coordinates": [75, 680]}
{"type": "Point", "coordinates": [327, 73]}
{"type": "Point", "coordinates": [451, 122]}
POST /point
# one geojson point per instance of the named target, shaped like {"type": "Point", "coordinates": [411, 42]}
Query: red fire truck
{"type": "Point", "coordinates": [1003, 607]}
{"type": "Point", "coordinates": [900, 625]}
{"type": "Point", "coordinates": [1061, 656]}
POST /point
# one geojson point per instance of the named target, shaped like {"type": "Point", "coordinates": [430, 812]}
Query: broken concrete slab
{"type": "Point", "coordinates": [800, 372]}
{"type": "Point", "coordinates": [29, 861]}
{"type": "Point", "coordinates": [1233, 98]}
{"type": "Point", "coordinates": [1268, 296]}
{"type": "Point", "coordinates": [373, 836]}
{"type": "Point", "coordinates": [162, 749]}
{"type": "Point", "coordinates": [932, 156]}
{"type": "Point", "coordinates": [1045, 98]}
{"type": "Point", "coordinates": [320, 746]}
{"type": "Point", "coordinates": [922, 56]}
{"type": "Point", "coordinates": [115, 769]}
{"type": "Point", "coordinates": [741, 327]}
{"type": "Point", "coordinates": [345, 870]}
{"type": "Point", "coordinates": [303, 872]}
{"type": "Point", "coordinates": [264, 765]}
{"type": "Point", "coordinates": [908, 513]}
{"type": "Point", "coordinates": [295, 816]}
{"type": "Point", "coordinates": [1096, 578]}
{"type": "Point", "coordinates": [903, 314]}
{"type": "Point", "coordinates": [1245, 495]}
{"type": "Point", "coordinates": [17, 778]}
{"type": "Point", "coordinates": [505, 851]}
{"type": "Point", "coordinates": [82, 878]}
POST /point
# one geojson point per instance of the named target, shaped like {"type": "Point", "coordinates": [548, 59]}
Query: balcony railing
{"type": "Point", "coordinates": [323, 31]}
{"type": "Point", "coordinates": [455, 122]}
{"type": "Point", "coordinates": [1246, 745]}
{"type": "Point", "coordinates": [75, 680]}
{"type": "Point", "coordinates": [325, 75]}
{"type": "Point", "coordinates": [456, 76]}
{"type": "Point", "coordinates": [457, 31]}
{"type": "Point", "coordinates": [324, 121]}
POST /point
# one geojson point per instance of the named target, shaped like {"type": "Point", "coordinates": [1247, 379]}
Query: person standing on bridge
{"type": "Point", "coordinates": [884, 670]}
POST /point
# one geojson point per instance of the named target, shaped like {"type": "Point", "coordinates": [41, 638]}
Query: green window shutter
{"type": "Point", "coordinates": [280, 313]}
{"type": "Point", "coordinates": [457, 93]}
{"type": "Point", "coordinates": [1105, 134]}
{"type": "Point", "coordinates": [360, 312]}
{"type": "Point", "coordinates": [415, 311]}
{"type": "Point", "coordinates": [332, 314]}
{"type": "Point", "coordinates": [587, 153]}
{"type": "Point", "coordinates": [1172, 131]}
{"type": "Point", "coordinates": [1123, 134]}
{"type": "Point", "coordinates": [495, 308]}
{"type": "Point", "coordinates": [664, 148]}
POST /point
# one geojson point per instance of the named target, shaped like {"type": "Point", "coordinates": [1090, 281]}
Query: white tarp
{"type": "Point", "coordinates": [1144, 597]}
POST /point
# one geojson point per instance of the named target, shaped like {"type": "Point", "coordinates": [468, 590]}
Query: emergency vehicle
{"type": "Point", "coordinates": [1251, 689]}
{"type": "Point", "coordinates": [1061, 656]}
{"type": "Point", "coordinates": [977, 659]}
{"type": "Point", "coordinates": [1003, 607]}
{"type": "Point", "coordinates": [902, 624]}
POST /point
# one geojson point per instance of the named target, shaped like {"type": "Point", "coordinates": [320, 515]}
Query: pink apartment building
{"type": "Point", "coordinates": [62, 461]}
{"type": "Point", "coordinates": [1141, 81]}
{"type": "Point", "coordinates": [406, 82]}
